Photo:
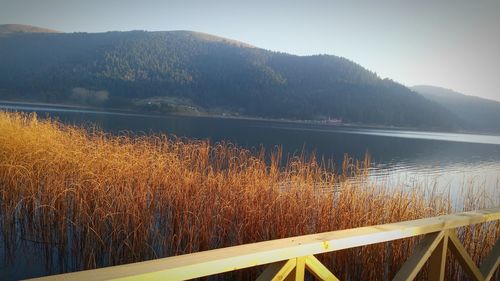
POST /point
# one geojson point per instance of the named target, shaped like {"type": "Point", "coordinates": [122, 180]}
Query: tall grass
{"type": "Point", "coordinates": [95, 199]}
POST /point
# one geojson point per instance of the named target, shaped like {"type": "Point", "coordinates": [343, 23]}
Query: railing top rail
{"type": "Point", "coordinates": [249, 255]}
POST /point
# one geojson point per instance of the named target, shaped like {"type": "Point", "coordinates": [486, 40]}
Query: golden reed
{"type": "Point", "coordinates": [97, 200]}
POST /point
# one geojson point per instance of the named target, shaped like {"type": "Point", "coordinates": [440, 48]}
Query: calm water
{"type": "Point", "coordinates": [448, 161]}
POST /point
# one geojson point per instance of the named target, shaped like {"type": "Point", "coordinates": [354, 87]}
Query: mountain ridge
{"type": "Point", "coordinates": [474, 112]}
{"type": "Point", "coordinates": [168, 71]}
{"type": "Point", "coordinates": [448, 92]}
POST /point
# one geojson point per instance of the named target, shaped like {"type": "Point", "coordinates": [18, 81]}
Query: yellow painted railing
{"type": "Point", "coordinates": [289, 258]}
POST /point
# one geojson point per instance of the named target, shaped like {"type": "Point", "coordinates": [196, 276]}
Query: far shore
{"type": "Point", "coordinates": [119, 111]}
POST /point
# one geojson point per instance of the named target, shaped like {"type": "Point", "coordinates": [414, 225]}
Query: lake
{"type": "Point", "coordinates": [404, 158]}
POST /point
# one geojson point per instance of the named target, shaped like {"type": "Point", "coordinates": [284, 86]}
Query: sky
{"type": "Point", "coordinates": [453, 44]}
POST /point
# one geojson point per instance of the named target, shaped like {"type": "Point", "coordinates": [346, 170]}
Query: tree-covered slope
{"type": "Point", "coordinates": [125, 69]}
{"type": "Point", "coordinates": [474, 113]}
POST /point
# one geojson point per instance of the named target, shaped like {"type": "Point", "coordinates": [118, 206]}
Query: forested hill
{"type": "Point", "coordinates": [474, 113]}
{"type": "Point", "coordinates": [184, 70]}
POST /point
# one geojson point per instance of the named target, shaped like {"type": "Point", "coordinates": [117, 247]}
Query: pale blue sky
{"type": "Point", "coordinates": [449, 43]}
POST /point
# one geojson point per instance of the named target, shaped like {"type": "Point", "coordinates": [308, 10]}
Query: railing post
{"type": "Point", "coordinates": [299, 271]}
{"type": "Point", "coordinates": [420, 256]}
{"type": "Point", "coordinates": [491, 263]}
{"type": "Point", "coordinates": [316, 268]}
{"type": "Point", "coordinates": [463, 258]}
{"type": "Point", "coordinates": [278, 271]}
{"type": "Point", "coordinates": [295, 269]}
{"type": "Point", "coordinates": [437, 260]}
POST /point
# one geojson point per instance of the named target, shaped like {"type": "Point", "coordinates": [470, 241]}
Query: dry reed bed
{"type": "Point", "coordinates": [99, 200]}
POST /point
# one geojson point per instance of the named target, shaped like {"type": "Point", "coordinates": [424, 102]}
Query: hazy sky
{"type": "Point", "coordinates": [450, 43]}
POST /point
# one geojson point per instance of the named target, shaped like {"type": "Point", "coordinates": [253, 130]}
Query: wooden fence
{"type": "Point", "coordinates": [289, 258]}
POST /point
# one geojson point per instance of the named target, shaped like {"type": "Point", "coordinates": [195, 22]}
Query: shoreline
{"type": "Point", "coordinates": [119, 111]}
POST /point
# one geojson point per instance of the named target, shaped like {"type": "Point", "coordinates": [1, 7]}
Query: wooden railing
{"type": "Point", "coordinates": [290, 257]}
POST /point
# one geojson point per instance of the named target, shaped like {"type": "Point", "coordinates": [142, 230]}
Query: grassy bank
{"type": "Point", "coordinates": [104, 200]}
